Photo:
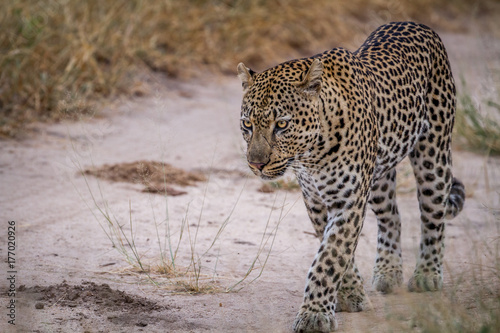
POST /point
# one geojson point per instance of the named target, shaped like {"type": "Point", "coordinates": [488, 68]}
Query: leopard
{"type": "Point", "coordinates": [341, 121]}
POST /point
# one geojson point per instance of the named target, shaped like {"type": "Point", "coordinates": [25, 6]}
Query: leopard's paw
{"type": "Point", "coordinates": [352, 301]}
{"type": "Point", "coordinates": [313, 321]}
{"type": "Point", "coordinates": [421, 282]}
{"type": "Point", "coordinates": [387, 282]}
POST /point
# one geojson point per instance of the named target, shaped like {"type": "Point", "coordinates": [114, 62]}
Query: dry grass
{"type": "Point", "coordinates": [57, 57]}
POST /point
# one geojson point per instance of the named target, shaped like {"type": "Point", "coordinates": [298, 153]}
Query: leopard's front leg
{"type": "Point", "coordinates": [325, 277]}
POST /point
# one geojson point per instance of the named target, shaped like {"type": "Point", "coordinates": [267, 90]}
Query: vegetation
{"type": "Point", "coordinates": [285, 184]}
{"type": "Point", "coordinates": [476, 131]}
{"type": "Point", "coordinates": [57, 57]}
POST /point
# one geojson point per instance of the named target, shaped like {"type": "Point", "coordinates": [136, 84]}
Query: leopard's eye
{"type": "Point", "coordinates": [247, 124]}
{"type": "Point", "coordinates": [282, 124]}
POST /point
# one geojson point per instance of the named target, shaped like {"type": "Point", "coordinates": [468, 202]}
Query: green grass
{"type": "Point", "coordinates": [58, 57]}
{"type": "Point", "coordinates": [478, 129]}
{"type": "Point", "coordinates": [285, 184]}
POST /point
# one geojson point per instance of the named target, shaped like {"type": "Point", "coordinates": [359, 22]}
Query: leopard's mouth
{"type": "Point", "coordinates": [273, 170]}
{"type": "Point", "coordinates": [270, 176]}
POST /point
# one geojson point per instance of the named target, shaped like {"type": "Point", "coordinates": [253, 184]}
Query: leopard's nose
{"type": "Point", "coordinates": [258, 166]}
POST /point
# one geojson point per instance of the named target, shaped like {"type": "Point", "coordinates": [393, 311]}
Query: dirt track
{"type": "Point", "coordinates": [70, 277]}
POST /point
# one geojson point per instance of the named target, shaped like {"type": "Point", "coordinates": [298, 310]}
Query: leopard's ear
{"type": "Point", "coordinates": [311, 85]}
{"type": "Point", "coordinates": [246, 76]}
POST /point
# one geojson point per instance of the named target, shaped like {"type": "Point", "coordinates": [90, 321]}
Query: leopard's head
{"type": "Point", "coordinates": [279, 114]}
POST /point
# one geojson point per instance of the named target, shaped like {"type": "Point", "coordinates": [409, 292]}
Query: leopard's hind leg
{"type": "Point", "coordinates": [440, 195]}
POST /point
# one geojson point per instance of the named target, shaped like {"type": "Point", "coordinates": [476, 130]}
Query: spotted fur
{"type": "Point", "coordinates": [342, 121]}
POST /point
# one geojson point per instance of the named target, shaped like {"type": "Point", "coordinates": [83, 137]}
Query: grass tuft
{"type": "Point", "coordinates": [476, 131]}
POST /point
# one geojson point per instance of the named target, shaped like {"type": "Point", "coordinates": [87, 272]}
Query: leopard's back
{"type": "Point", "coordinates": [414, 91]}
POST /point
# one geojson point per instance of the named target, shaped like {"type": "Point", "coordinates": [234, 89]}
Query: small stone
{"type": "Point", "coordinates": [73, 295]}
{"type": "Point", "coordinates": [39, 305]}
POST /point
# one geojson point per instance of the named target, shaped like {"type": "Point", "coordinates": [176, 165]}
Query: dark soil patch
{"type": "Point", "coordinates": [89, 294]}
{"type": "Point", "coordinates": [91, 303]}
{"type": "Point", "coordinates": [156, 177]}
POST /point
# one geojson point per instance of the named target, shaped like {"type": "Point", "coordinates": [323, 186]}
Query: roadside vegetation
{"type": "Point", "coordinates": [59, 57]}
{"type": "Point", "coordinates": [475, 129]}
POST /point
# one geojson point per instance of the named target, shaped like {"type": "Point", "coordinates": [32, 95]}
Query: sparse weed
{"type": "Point", "coordinates": [167, 270]}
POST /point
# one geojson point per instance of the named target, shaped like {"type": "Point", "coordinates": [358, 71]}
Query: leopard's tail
{"type": "Point", "coordinates": [456, 199]}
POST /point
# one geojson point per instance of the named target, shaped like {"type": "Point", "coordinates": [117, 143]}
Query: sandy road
{"type": "Point", "coordinates": [67, 265]}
